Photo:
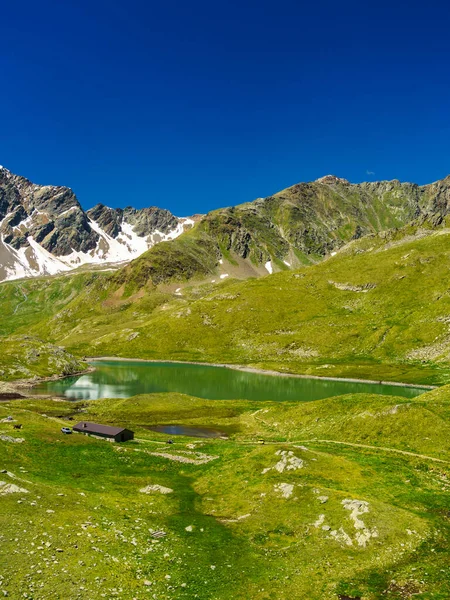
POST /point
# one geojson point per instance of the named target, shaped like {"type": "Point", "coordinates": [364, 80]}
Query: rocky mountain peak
{"type": "Point", "coordinates": [44, 229]}
{"type": "Point", "coordinates": [332, 179]}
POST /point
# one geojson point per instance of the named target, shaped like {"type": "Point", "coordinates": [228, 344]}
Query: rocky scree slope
{"type": "Point", "coordinates": [44, 230]}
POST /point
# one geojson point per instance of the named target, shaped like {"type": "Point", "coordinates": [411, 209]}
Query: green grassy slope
{"type": "Point", "coordinates": [25, 357]}
{"type": "Point", "coordinates": [299, 225]}
{"type": "Point", "coordinates": [379, 310]}
{"type": "Point", "coordinates": [366, 521]}
{"type": "Point", "coordinates": [308, 220]}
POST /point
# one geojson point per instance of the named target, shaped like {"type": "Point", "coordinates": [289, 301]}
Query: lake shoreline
{"type": "Point", "coordinates": [255, 370]}
{"type": "Point", "coordinates": [21, 385]}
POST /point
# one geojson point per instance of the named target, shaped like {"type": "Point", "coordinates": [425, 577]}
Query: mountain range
{"type": "Point", "coordinates": [44, 229]}
{"type": "Point", "coordinates": [358, 285]}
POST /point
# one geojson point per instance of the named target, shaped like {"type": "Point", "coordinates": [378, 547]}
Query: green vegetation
{"type": "Point", "coordinates": [360, 506]}
{"type": "Point", "coordinates": [193, 254]}
{"type": "Point", "coordinates": [379, 309]}
{"type": "Point", "coordinates": [347, 496]}
{"type": "Point", "coordinates": [24, 357]}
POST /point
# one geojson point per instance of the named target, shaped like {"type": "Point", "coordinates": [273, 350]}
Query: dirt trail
{"type": "Point", "coordinates": [25, 298]}
{"type": "Point", "coordinates": [382, 448]}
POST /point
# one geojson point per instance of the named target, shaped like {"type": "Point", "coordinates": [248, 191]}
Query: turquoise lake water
{"type": "Point", "coordinates": [121, 379]}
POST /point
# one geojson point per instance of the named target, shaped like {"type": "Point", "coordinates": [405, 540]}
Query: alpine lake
{"type": "Point", "coordinates": [122, 379]}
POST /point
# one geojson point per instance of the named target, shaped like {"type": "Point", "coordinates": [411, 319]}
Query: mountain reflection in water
{"type": "Point", "coordinates": [117, 379]}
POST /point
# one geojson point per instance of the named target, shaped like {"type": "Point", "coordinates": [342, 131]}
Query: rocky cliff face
{"type": "Point", "coordinates": [44, 230]}
{"type": "Point", "coordinates": [310, 220]}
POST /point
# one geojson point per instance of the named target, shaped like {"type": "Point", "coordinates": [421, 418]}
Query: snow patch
{"type": "Point", "coordinates": [34, 260]}
{"type": "Point", "coordinates": [224, 275]}
{"type": "Point", "coordinates": [47, 263]}
{"type": "Point", "coordinates": [68, 210]}
{"type": "Point", "coordinates": [269, 267]}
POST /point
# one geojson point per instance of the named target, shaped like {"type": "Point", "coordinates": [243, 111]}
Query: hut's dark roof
{"type": "Point", "coordinates": [96, 428]}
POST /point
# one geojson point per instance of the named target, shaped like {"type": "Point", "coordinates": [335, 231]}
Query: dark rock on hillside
{"type": "Point", "coordinates": [310, 220]}
{"type": "Point", "coordinates": [144, 220]}
{"type": "Point", "coordinates": [52, 215]}
{"type": "Point", "coordinates": [109, 219]}
{"type": "Point", "coordinates": [44, 229]}
{"type": "Point", "coordinates": [151, 219]}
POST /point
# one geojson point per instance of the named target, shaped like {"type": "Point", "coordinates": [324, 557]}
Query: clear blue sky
{"type": "Point", "coordinates": [192, 105]}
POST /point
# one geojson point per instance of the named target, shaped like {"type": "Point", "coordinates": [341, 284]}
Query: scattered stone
{"type": "Point", "coordinates": [189, 528]}
{"type": "Point", "coordinates": [11, 488]}
{"type": "Point", "coordinates": [341, 536]}
{"type": "Point", "coordinates": [234, 520]}
{"type": "Point", "coordinates": [353, 288]}
{"type": "Point", "coordinates": [319, 521]}
{"type": "Point", "coordinates": [156, 488]}
{"type": "Point", "coordinates": [158, 534]}
{"type": "Point", "coordinates": [200, 458]}
{"type": "Point", "coordinates": [288, 462]}
{"type": "Point", "coordinates": [12, 440]}
{"type": "Point", "coordinates": [357, 508]}
{"type": "Point", "coordinates": [285, 489]}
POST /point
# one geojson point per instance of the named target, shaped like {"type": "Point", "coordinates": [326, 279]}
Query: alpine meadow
{"type": "Point", "coordinates": [343, 497]}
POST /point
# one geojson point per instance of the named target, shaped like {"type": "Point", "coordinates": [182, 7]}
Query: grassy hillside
{"type": "Point", "coordinates": [379, 309]}
{"type": "Point", "coordinates": [303, 223]}
{"type": "Point", "coordinates": [331, 505]}
{"type": "Point", "coordinates": [25, 357]}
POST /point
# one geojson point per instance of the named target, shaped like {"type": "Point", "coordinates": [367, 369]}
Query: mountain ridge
{"type": "Point", "coordinates": [44, 230]}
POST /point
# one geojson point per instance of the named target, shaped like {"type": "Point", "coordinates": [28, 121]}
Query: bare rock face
{"type": "Point", "coordinates": [331, 179]}
{"type": "Point", "coordinates": [44, 229]}
{"type": "Point", "coordinates": [109, 219]}
{"type": "Point", "coordinates": [151, 219]}
{"type": "Point", "coordinates": [51, 215]}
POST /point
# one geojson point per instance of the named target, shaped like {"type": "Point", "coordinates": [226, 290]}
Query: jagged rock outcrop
{"type": "Point", "coordinates": [44, 230]}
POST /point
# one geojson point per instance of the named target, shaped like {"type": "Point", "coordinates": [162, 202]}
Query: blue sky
{"type": "Point", "coordinates": [195, 105]}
